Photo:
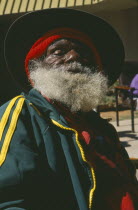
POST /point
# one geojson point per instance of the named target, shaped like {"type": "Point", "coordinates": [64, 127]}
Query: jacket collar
{"type": "Point", "coordinates": [44, 106]}
{"type": "Point", "coordinates": [47, 108]}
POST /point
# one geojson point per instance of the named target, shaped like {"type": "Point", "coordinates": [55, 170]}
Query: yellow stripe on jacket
{"type": "Point", "coordinates": [11, 128]}
{"type": "Point", "coordinates": [6, 115]}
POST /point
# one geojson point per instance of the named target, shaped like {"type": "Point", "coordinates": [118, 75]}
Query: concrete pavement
{"type": "Point", "coordinates": [129, 139]}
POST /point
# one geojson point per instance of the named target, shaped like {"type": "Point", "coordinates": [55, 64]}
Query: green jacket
{"type": "Point", "coordinates": [43, 163]}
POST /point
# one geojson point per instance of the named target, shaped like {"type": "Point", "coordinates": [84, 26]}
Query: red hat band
{"type": "Point", "coordinates": [40, 46]}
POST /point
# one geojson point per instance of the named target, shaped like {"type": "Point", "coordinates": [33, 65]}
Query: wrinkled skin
{"type": "Point", "coordinates": [64, 51]}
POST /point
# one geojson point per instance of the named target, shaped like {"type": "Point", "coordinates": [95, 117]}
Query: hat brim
{"type": "Point", "coordinates": [28, 28]}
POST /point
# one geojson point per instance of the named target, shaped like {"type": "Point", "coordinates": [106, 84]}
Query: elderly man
{"type": "Point", "coordinates": [56, 152]}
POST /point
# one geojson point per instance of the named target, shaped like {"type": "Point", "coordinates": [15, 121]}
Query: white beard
{"type": "Point", "coordinates": [78, 91]}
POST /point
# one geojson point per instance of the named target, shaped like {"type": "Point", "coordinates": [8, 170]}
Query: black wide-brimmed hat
{"type": "Point", "coordinates": [28, 28]}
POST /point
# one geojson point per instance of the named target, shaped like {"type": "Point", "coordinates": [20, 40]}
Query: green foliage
{"type": "Point", "coordinates": [109, 100]}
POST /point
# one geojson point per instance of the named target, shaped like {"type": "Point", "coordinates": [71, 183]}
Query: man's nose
{"type": "Point", "coordinates": [72, 55]}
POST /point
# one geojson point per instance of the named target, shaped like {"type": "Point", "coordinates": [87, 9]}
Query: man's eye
{"type": "Point", "coordinates": [58, 52]}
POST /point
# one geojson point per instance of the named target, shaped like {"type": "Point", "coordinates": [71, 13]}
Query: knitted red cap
{"type": "Point", "coordinates": [40, 46]}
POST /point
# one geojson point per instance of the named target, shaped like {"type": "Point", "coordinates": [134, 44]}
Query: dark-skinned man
{"type": "Point", "coordinates": [56, 152]}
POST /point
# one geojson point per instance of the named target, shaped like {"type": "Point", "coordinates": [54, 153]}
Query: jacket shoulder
{"type": "Point", "coordinates": [20, 121]}
{"type": "Point", "coordinates": [102, 124]}
{"type": "Point", "coordinates": [19, 103]}
{"type": "Point", "coordinates": [16, 102]}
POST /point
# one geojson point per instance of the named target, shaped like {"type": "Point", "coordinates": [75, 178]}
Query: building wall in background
{"type": "Point", "coordinates": [126, 24]}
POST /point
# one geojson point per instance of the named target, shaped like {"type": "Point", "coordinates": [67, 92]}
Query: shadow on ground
{"type": "Point", "coordinates": [127, 134]}
{"type": "Point", "coordinates": [125, 144]}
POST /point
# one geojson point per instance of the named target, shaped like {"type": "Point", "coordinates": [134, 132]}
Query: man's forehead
{"type": "Point", "coordinates": [67, 42]}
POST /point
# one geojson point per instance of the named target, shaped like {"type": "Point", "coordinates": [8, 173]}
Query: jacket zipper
{"type": "Point", "coordinates": [84, 159]}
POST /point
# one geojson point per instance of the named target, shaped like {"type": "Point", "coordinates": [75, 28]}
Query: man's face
{"type": "Point", "coordinates": [66, 51]}
{"type": "Point", "coordinates": [67, 74]}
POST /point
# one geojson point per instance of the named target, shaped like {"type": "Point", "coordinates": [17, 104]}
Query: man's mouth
{"type": "Point", "coordinates": [74, 71]}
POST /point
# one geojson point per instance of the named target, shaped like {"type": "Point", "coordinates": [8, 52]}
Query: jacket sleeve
{"type": "Point", "coordinates": [19, 162]}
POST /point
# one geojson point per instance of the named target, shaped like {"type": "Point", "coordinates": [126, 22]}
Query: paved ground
{"type": "Point", "coordinates": [128, 138]}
